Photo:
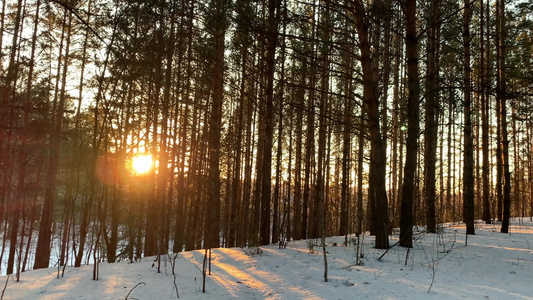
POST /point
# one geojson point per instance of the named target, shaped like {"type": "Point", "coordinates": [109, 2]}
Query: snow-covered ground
{"type": "Point", "coordinates": [440, 266]}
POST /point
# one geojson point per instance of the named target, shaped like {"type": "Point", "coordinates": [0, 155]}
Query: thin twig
{"type": "Point", "coordinates": [5, 287]}
{"type": "Point", "coordinates": [134, 288]}
{"type": "Point", "coordinates": [173, 265]}
{"type": "Point", "coordinates": [387, 250]}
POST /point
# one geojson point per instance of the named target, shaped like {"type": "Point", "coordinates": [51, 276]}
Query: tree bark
{"type": "Point", "coordinates": [430, 136]}
{"type": "Point", "coordinates": [272, 37]}
{"type": "Point", "coordinates": [502, 95]}
{"type": "Point", "coordinates": [411, 48]}
{"type": "Point", "coordinates": [378, 151]}
{"type": "Point", "coordinates": [484, 120]}
{"type": "Point", "coordinates": [42, 253]}
{"type": "Point", "coordinates": [468, 168]}
{"type": "Point", "coordinates": [215, 121]}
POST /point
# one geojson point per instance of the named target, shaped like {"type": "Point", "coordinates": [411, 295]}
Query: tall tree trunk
{"type": "Point", "coordinates": [235, 214]}
{"type": "Point", "coordinates": [179, 234]}
{"type": "Point", "coordinates": [411, 48]}
{"type": "Point", "coordinates": [378, 151]}
{"type": "Point", "coordinates": [451, 160]}
{"type": "Point", "coordinates": [152, 233]}
{"type": "Point", "coordinates": [309, 153]}
{"type": "Point", "coordinates": [360, 158]}
{"type": "Point", "coordinates": [502, 95]}
{"type": "Point", "coordinates": [310, 136]}
{"type": "Point", "coordinates": [272, 37]}
{"type": "Point", "coordinates": [346, 151]}
{"type": "Point", "coordinates": [42, 254]}
{"type": "Point", "coordinates": [256, 218]}
{"type": "Point", "coordinates": [215, 121]}
{"type": "Point", "coordinates": [2, 28]}
{"type": "Point", "coordinates": [517, 165]}
{"type": "Point", "coordinates": [484, 120]}
{"type": "Point", "coordinates": [23, 154]}
{"type": "Point", "coordinates": [7, 97]}
{"type": "Point", "coordinates": [300, 98]}
{"type": "Point", "coordinates": [247, 190]}
{"type": "Point", "coordinates": [278, 186]}
{"type": "Point", "coordinates": [499, 91]}
{"type": "Point", "coordinates": [163, 175]}
{"type": "Point", "coordinates": [319, 192]}
{"type": "Point", "coordinates": [17, 205]}
{"type": "Point", "coordinates": [530, 173]}
{"type": "Point", "coordinates": [396, 134]}
{"type": "Point", "coordinates": [468, 168]}
{"type": "Point", "coordinates": [276, 230]}
{"type": "Point", "coordinates": [430, 134]}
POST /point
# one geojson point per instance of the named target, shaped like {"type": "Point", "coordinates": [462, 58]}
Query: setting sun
{"type": "Point", "coordinates": [142, 163]}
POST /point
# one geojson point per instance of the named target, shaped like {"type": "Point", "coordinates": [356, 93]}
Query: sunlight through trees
{"type": "Point", "coordinates": [131, 128]}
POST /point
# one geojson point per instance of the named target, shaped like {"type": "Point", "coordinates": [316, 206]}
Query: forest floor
{"type": "Point", "coordinates": [488, 265]}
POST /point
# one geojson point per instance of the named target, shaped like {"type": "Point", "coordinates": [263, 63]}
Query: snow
{"type": "Point", "coordinates": [491, 265]}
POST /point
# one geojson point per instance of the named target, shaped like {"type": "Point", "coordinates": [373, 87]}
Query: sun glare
{"type": "Point", "coordinates": [142, 163]}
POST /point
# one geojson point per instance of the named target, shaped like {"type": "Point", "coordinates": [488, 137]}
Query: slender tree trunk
{"type": "Point", "coordinates": [42, 254]}
{"type": "Point", "coordinates": [468, 168]}
{"type": "Point", "coordinates": [320, 186]}
{"type": "Point", "coordinates": [451, 159]}
{"type": "Point", "coordinates": [279, 185]}
{"type": "Point", "coordinates": [256, 218]}
{"type": "Point", "coordinates": [360, 158]}
{"type": "Point", "coordinates": [396, 129]}
{"type": "Point", "coordinates": [346, 151]}
{"type": "Point", "coordinates": [234, 233]}
{"type": "Point", "coordinates": [272, 37]}
{"type": "Point", "coordinates": [484, 121]}
{"type": "Point", "coordinates": [2, 28]}
{"type": "Point", "coordinates": [430, 135]}
{"type": "Point", "coordinates": [530, 173]}
{"type": "Point", "coordinates": [7, 97]}
{"type": "Point", "coordinates": [300, 98]}
{"type": "Point", "coordinates": [17, 206]}
{"type": "Point", "coordinates": [152, 234]}
{"type": "Point", "coordinates": [30, 230]}
{"type": "Point", "coordinates": [499, 89]}
{"type": "Point", "coordinates": [516, 166]}
{"type": "Point", "coordinates": [23, 153]}
{"type": "Point", "coordinates": [68, 198]}
{"type": "Point", "coordinates": [310, 139]}
{"type": "Point", "coordinates": [411, 46]}
{"type": "Point", "coordinates": [502, 95]}
{"type": "Point", "coordinates": [163, 174]}
{"type": "Point", "coordinates": [179, 234]}
{"type": "Point", "coordinates": [287, 197]}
